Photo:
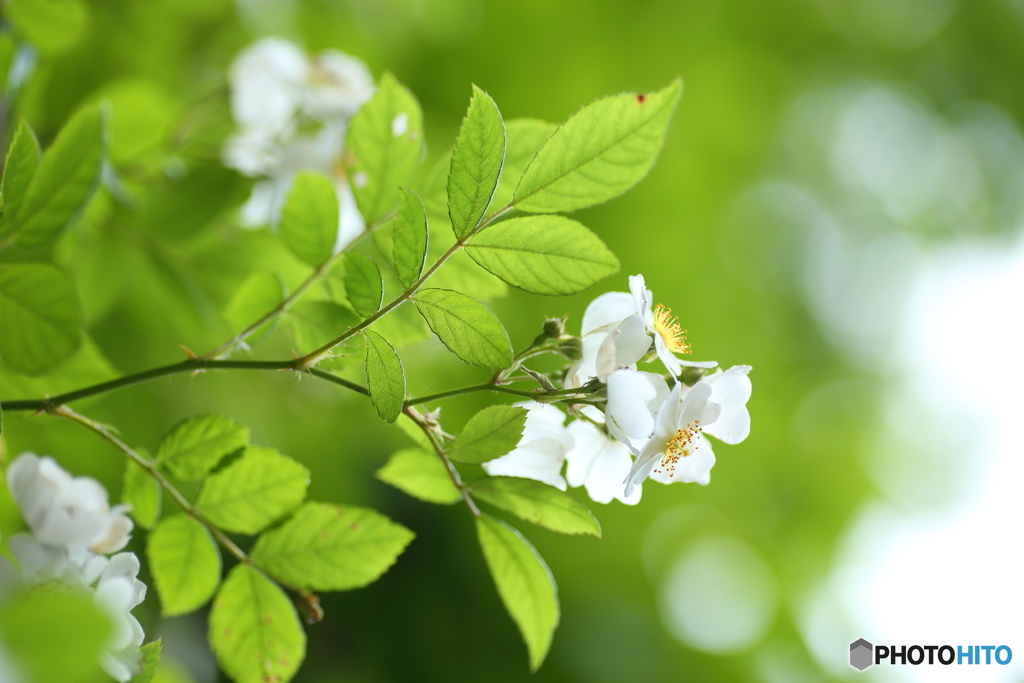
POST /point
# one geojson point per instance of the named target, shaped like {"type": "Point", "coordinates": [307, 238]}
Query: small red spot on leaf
{"type": "Point", "coordinates": [641, 98]}
{"type": "Point", "coordinates": [268, 618]}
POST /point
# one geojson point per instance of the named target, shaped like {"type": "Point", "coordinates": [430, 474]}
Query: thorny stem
{"type": "Point", "coordinates": [442, 453]}
{"type": "Point", "coordinates": [315, 357]}
{"type": "Point", "coordinates": [151, 470]}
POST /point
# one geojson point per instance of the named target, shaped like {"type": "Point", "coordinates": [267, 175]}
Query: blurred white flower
{"type": "Point", "coordinates": [65, 511]}
{"type": "Point", "coordinates": [617, 332]}
{"type": "Point", "coordinates": [292, 112]}
{"type": "Point", "coordinates": [598, 462]}
{"type": "Point", "coordinates": [117, 593]}
{"type": "Point", "coordinates": [541, 450]}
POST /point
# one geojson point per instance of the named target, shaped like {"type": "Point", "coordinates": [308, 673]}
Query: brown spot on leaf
{"type": "Point", "coordinates": [355, 526]}
{"type": "Point", "coordinates": [268, 618]}
{"type": "Point", "coordinates": [641, 98]}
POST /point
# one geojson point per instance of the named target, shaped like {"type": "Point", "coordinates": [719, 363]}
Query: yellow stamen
{"type": "Point", "coordinates": [667, 326]}
{"type": "Point", "coordinates": [678, 447]}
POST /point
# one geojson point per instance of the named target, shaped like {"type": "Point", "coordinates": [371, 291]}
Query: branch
{"type": "Point", "coordinates": [439, 449]}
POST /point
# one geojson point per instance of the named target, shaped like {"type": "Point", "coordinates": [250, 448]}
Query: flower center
{"type": "Point", "coordinates": [667, 327]}
{"type": "Point", "coordinates": [678, 447]}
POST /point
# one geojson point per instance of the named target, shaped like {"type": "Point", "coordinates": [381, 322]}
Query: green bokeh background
{"type": "Point", "coordinates": [156, 274]}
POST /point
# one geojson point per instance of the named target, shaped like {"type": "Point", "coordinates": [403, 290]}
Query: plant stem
{"type": "Point", "coordinates": [439, 449]}
{"type": "Point", "coordinates": [488, 386]}
{"type": "Point", "coordinates": [315, 357]}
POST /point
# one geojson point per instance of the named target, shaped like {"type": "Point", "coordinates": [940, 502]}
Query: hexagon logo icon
{"type": "Point", "coordinates": [861, 654]}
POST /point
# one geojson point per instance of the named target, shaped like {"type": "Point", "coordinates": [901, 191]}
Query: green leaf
{"type": "Point", "coordinates": [598, 153]}
{"type": "Point", "coordinates": [85, 367]}
{"type": "Point", "coordinates": [194, 446]}
{"type": "Point", "coordinates": [489, 434]}
{"type": "Point", "coordinates": [524, 583]}
{"type": "Point", "coordinates": [543, 254]}
{"type": "Point", "coordinates": [309, 219]}
{"type": "Point", "coordinates": [143, 493]}
{"type": "Point", "coordinates": [402, 326]}
{"type": "Point", "coordinates": [410, 238]}
{"type": "Point", "coordinates": [476, 163]}
{"type": "Point", "coordinates": [254, 491]}
{"type": "Point", "coordinates": [385, 377]}
{"type": "Point", "coordinates": [524, 138]}
{"type": "Point", "coordinates": [421, 475]}
{"type": "Point", "coordinates": [331, 548]}
{"type": "Point", "coordinates": [255, 630]}
{"type": "Point", "coordinates": [185, 563]}
{"type": "Point", "coordinates": [52, 26]}
{"type": "Point", "coordinates": [40, 319]}
{"type": "Point", "coordinates": [258, 295]}
{"type": "Point", "coordinates": [63, 183]}
{"type": "Point", "coordinates": [363, 285]}
{"type": "Point", "coordinates": [151, 653]}
{"type": "Point", "coordinates": [539, 503]}
{"type": "Point", "coordinates": [466, 327]}
{"type": "Point", "coordinates": [385, 142]}
{"type": "Point", "coordinates": [54, 633]}
{"type": "Point", "coordinates": [22, 159]}
{"type": "Point", "coordinates": [314, 323]}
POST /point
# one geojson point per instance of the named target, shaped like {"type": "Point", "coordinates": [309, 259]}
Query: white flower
{"type": "Point", "coordinates": [678, 451]}
{"type": "Point", "coordinates": [267, 85]}
{"type": "Point", "coordinates": [541, 450]}
{"type": "Point", "coordinates": [65, 511]}
{"type": "Point", "coordinates": [618, 329]}
{"type": "Point", "coordinates": [337, 86]}
{"type": "Point", "coordinates": [634, 398]}
{"type": "Point", "coordinates": [117, 593]}
{"type": "Point", "coordinates": [598, 462]}
{"type": "Point", "coordinates": [731, 390]}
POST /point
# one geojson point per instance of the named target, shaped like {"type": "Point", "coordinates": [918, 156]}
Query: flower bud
{"type": "Point", "coordinates": [691, 376]}
{"type": "Point", "coordinates": [554, 327]}
{"type": "Point", "coordinates": [571, 347]}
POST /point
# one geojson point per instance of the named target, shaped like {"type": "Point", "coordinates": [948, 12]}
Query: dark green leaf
{"type": "Point", "coordinates": [254, 491]}
{"type": "Point", "coordinates": [185, 563]}
{"type": "Point", "coordinates": [598, 153]}
{"type": "Point", "coordinates": [255, 630]}
{"type": "Point", "coordinates": [466, 327]}
{"type": "Point", "coordinates": [539, 503]}
{"type": "Point", "coordinates": [331, 547]}
{"type": "Point", "coordinates": [363, 285]}
{"type": "Point", "coordinates": [524, 583]}
{"type": "Point", "coordinates": [40, 319]}
{"type": "Point", "coordinates": [194, 446]}
{"type": "Point", "coordinates": [420, 474]}
{"type": "Point", "coordinates": [410, 238]}
{"type": "Point", "coordinates": [385, 377]}
{"type": "Point", "coordinates": [476, 163]}
{"type": "Point", "coordinates": [309, 219]}
{"type": "Point", "coordinates": [489, 434]}
{"type": "Point", "coordinates": [543, 254]}
{"type": "Point", "coordinates": [386, 143]}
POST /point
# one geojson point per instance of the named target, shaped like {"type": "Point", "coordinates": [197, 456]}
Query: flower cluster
{"type": "Point", "coordinates": [651, 427]}
{"type": "Point", "coordinates": [73, 530]}
{"type": "Point", "coordinates": [292, 112]}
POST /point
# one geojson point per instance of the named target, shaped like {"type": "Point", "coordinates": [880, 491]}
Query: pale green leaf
{"type": "Point", "coordinates": [410, 238]}
{"type": "Point", "coordinates": [523, 138]}
{"type": "Point", "coordinates": [598, 153]}
{"type": "Point", "coordinates": [85, 367]}
{"type": "Point", "coordinates": [524, 583]}
{"type": "Point", "coordinates": [331, 547]}
{"type": "Point", "coordinates": [143, 493]}
{"type": "Point", "coordinates": [309, 219]}
{"type": "Point", "coordinates": [151, 653]}
{"type": "Point", "coordinates": [20, 166]}
{"type": "Point", "coordinates": [40, 319]}
{"type": "Point", "coordinates": [402, 326]}
{"type": "Point", "coordinates": [254, 629]}
{"type": "Point", "coordinates": [314, 323]}
{"type": "Point", "coordinates": [543, 254]}
{"type": "Point", "coordinates": [194, 446]}
{"type": "Point", "coordinates": [363, 285]}
{"type": "Point", "coordinates": [537, 502]}
{"type": "Point", "coordinates": [260, 293]}
{"type": "Point", "coordinates": [385, 377]}
{"type": "Point", "coordinates": [52, 26]}
{"type": "Point", "coordinates": [253, 492]}
{"type": "Point", "coordinates": [421, 475]}
{"type": "Point", "coordinates": [466, 327]}
{"type": "Point", "coordinates": [185, 563]}
{"type": "Point", "coordinates": [489, 434]}
{"type": "Point", "coordinates": [385, 141]}
{"type": "Point", "coordinates": [63, 183]}
{"type": "Point", "coordinates": [476, 163]}
{"type": "Point", "coordinates": [56, 632]}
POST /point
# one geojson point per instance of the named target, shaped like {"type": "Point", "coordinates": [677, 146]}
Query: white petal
{"type": "Point", "coordinates": [580, 459]}
{"type": "Point", "coordinates": [644, 464]}
{"type": "Point", "coordinates": [607, 310]}
{"type": "Point", "coordinates": [350, 222]}
{"type": "Point", "coordinates": [254, 152]}
{"type": "Point", "coordinates": [697, 407]}
{"type": "Point", "coordinates": [259, 210]}
{"type": "Point", "coordinates": [694, 468]}
{"type": "Point", "coordinates": [667, 358]}
{"type": "Point", "coordinates": [641, 298]}
{"type": "Point", "coordinates": [267, 83]}
{"type": "Point", "coordinates": [338, 85]}
{"type": "Point", "coordinates": [698, 363]}
{"type": "Point", "coordinates": [633, 398]}
{"type": "Point", "coordinates": [731, 390]}
{"type": "Point", "coordinates": [541, 460]}
{"type": "Point", "coordinates": [668, 414]}
{"type": "Point", "coordinates": [598, 463]}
